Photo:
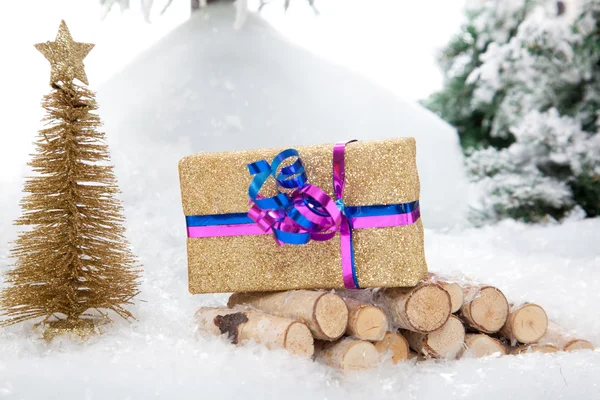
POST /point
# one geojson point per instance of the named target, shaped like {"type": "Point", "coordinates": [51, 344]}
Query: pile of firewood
{"type": "Point", "coordinates": [357, 329]}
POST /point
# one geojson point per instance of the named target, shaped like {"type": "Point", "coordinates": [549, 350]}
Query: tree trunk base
{"type": "Point", "coordinates": [77, 329]}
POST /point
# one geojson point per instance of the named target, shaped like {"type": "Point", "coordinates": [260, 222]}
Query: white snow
{"type": "Point", "coordinates": [393, 43]}
{"type": "Point", "coordinates": [160, 357]}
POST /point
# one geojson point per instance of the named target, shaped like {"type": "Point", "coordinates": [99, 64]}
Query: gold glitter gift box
{"type": "Point", "coordinates": [377, 173]}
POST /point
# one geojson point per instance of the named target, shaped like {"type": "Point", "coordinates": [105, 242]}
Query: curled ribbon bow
{"type": "Point", "coordinates": [308, 213]}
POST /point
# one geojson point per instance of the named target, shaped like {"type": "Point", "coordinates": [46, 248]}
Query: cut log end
{"type": "Point", "coordinates": [393, 345]}
{"type": "Point", "coordinates": [428, 308]}
{"type": "Point", "coordinates": [456, 295]}
{"type": "Point", "coordinates": [332, 315]}
{"type": "Point", "coordinates": [488, 311]}
{"type": "Point", "coordinates": [347, 354]}
{"type": "Point", "coordinates": [448, 341]}
{"type": "Point", "coordinates": [526, 324]}
{"type": "Point", "coordinates": [481, 345]}
{"type": "Point", "coordinates": [370, 323]}
{"type": "Point", "coordinates": [360, 355]}
{"type": "Point", "coordinates": [299, 340]}
{"type": "Point", "coordinates": [578, 344]}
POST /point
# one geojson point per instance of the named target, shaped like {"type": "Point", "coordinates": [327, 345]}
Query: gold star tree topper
{"type": "Point", "coordinates": [65, 56]}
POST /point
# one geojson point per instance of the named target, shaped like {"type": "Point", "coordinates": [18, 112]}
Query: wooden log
{"type": "Point", "coordinates": [526, 324]}
{"type": "Point", "coordinates": [485, 308]}
{"type": "Point", "coordinates": [365, 321]}
{"type": "Point", "coordinates": [454, 289]}
{"type": "Point", "coordinates": [481, 345]}
{"type": "Point", "coordinates": [268, 330]}
{"type": "Point", "coordinates": [447, 342]}
{"type": "Point", "coordinates": [563, 340]}
{"type": "Point", "coordinates": [424, 308]}
{"type": "Point", "coordinates": [347, 354]}
{"type": "Point", "coordinates": [325, 314]}
{"type": "Point", "coordinates": [393, 345]}
{"type": "Point", "coordinates": [579, 344]}
{"type": "Point", "coordinates": [456, 295]}
{"type": "Point", "coordinates": [535, 348]}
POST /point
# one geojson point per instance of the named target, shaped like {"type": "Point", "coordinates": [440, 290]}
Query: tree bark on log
{"type": "Point", "coordinates": [525, 324]}
{"type": "Point", "coordinates": [454, 289]}
{"type": "Point", "coordinates": [481, 345]}
{"type": "Point", "coordinates": [563, 340]}
{"type": "Point", "coordinates": [485, 308]}
{"type": "Point", "coordinates": [394, 345]}
{"type": "Point", "coordinates": [424, 308]}
{"type": "Point", "coordinates": [365, 321]}
{"type": "Point", "coordinates": [347, 354]}
{"type": "Point", "coordinates": [268, 330]}
{"type": "Point", "coordinates": [447, 342]}
{"type": "Point", "coordinates": [325, 314]}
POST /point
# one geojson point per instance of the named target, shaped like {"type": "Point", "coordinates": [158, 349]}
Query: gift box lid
{"type": "Point", "coordinates": [377, 172]}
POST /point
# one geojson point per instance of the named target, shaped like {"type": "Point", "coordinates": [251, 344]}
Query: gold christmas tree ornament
{"type": "Point", "coordinates": [65, 56]}
{"type": "Point", "coordinates": [73, 265]}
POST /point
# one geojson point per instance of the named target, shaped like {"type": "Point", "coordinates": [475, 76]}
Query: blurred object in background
{"type": "Point", "coordinates": [523, 89]}
{"type": "Point", "coordinates": [286, 5]}
{"type": "Point", "coordinates": [560, 8]}
{"type": "Point", "coordinates": [196, 4]}
{"type": "Point", "coordinates": [107, 5]}
{"type": "Point", "coordinates": [209, 87]}
{"type": "Point", "coordinates": [384, 47]}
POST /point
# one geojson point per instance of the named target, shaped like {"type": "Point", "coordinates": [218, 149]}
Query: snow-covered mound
{"type": "Point", "coordinates": [213, 88]}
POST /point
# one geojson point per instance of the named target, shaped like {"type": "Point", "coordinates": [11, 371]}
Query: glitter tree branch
{"type": "Point", "coordinates": [75, 259]}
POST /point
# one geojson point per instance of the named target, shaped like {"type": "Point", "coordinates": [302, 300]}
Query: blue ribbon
{"type": "Point", "coordinates": [350, 211]}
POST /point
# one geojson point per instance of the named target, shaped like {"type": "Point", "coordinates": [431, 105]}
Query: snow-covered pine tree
{"type": "Point", "coordinates": [489, 23]}
{"type": "Point", "coordinates": [527, 108]}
